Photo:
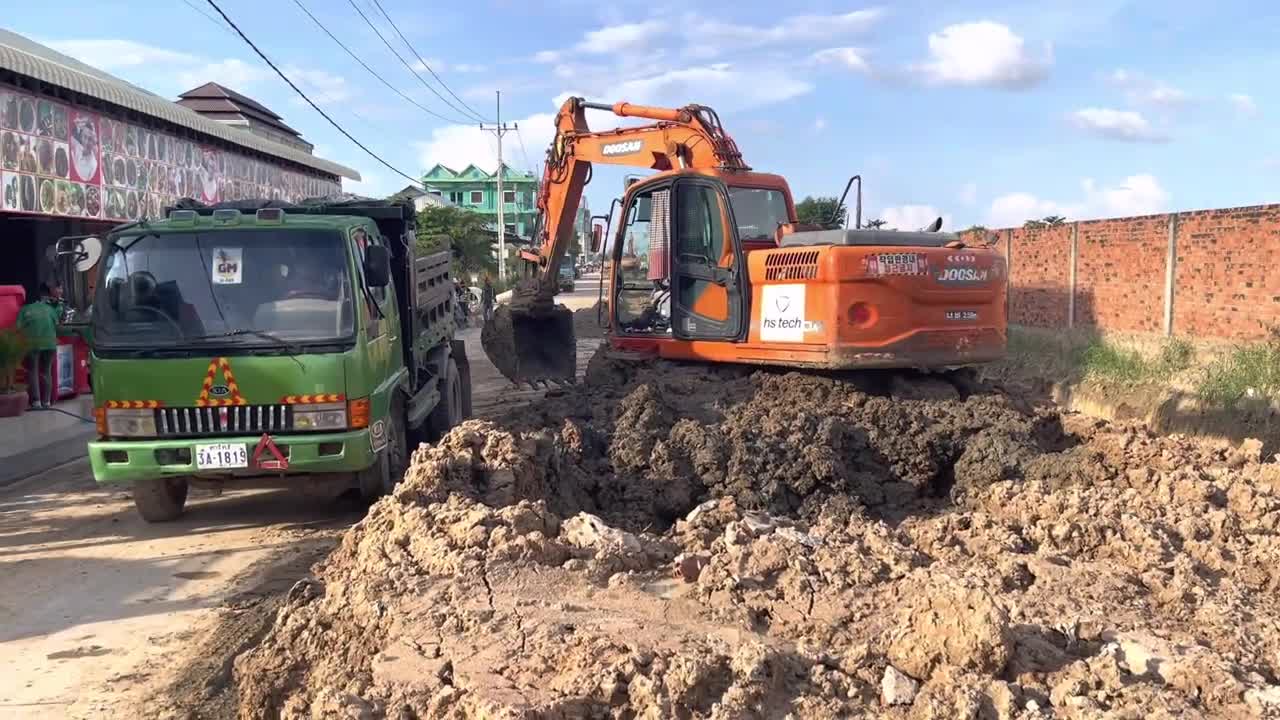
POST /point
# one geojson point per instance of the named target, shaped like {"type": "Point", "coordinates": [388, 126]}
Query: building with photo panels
{"type": "Point", "coordinates": [82, 151]}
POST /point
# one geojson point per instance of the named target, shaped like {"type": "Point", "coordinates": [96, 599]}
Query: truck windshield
{"type": "Point", "coordinates": [758, 212]}
{"type": "Point", "coordinates": [252, 287]}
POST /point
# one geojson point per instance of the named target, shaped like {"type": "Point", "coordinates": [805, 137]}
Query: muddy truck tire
{"type": "Point", "coordinates": [160, 500]}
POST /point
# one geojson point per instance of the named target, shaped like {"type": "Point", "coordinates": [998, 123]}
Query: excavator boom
{"type": "Point", "coordinates": [531, 339]}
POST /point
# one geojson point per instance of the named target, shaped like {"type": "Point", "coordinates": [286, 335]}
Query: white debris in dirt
{"type": "Point", "coordinates": [588, 531]}
{"type": "Point", "coordinates": [897, 688]}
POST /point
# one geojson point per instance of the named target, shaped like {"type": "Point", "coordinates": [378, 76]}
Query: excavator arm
{"type": "Point", "coordinates": [679, 138]}
{"type": "Point", "coordinates": [531, 339]}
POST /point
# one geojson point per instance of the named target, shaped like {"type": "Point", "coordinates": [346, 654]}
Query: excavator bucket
{"type": "Point", "coordinates": [531, 345]}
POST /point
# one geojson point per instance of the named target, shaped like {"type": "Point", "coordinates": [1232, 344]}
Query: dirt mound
{"type": "Point", "coordinates": [703, 542]}
{"type": "Point", "coordinates": [587, 322]}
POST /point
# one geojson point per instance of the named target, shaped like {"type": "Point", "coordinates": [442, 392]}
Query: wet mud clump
{"type": "Point", "coordinates": [712, 542]}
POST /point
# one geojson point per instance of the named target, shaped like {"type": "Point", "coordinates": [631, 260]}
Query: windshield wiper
{"type": "Point", "coordinates": [291, 348]}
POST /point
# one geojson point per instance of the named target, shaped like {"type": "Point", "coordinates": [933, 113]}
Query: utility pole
{"type": "Point", "coordinates": [499, 129]}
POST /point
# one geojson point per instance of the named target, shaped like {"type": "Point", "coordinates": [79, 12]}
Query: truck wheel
{"type": "Point", "coordinates": [450, 410]}
{"type": "Point", "coordinates": [381, 477]}
{"type": "Point", "coordinates": [161, 499]}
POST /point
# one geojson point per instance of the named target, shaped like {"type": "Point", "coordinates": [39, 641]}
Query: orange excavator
{"type": "Point", "coordinates": [720, 270]}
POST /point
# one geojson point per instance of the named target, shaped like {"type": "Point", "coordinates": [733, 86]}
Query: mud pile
{"type": "Point", "coordinates": [698, 542]}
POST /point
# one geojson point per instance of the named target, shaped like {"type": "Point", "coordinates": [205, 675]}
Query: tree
{"type": "Point", "coordinates": [1033, 224]}
{"type": "Point", "coordinates": [467, 233]}
{"type": "Point", "coordinates": [819, 211]}
{"type": "Point", "coordinates": [875, 224]}
{"type": "Point", "coordinates": [1052, 220]}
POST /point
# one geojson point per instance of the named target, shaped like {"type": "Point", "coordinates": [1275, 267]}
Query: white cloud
{"type": "Point", "coordinates": [969, 193]}
{"type": "Point", "coordinates": [819, 123]}
{"type": "Point", "coordinates": [231, 73]}
{"type": "Point", "coordinates": [912, 217]}
{"type": "Point", "coordinates": [458, 146]}
{"type": "Point", "coordinates": [1124, 125]}
{"type": "Point", "coordinates": [1244, 105]}
{"type": "Point", "coordinates": [708, 37]}
{"type": "Point", "coordinates": [851, 58]}
{"type": "Point", "coordinates": [327, 87]}
{"type": "Point", "coordinates": [441, 66]}
{"type": "Point", "coordinates": [112, 54]}
{"type": "Point", "coordinates": [1139, 194]}
{"type": "Point", "coordinates": [374, 184]}
{"type": "Point", "coordinates": [983, 53]}
{"type": "Point", "coordinates": [628, 37]}
{"type": "Point", "coordinates": [721, 86]}
{"type": "Point", "coordinates": [1142, 90]}
{"type": "Point", "coordinates": [547, 56]}
{"type": "Point", "coordinates": [1013, 209]}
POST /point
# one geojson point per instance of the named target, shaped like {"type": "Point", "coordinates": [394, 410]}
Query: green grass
{"type": "Point", "coordinates": [1101, 360]}
{"type": "Point", "coordinates": [1247, 368]}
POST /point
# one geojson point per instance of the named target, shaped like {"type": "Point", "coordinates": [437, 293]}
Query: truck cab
{"type": "Point", "coordinates": [294, 346]}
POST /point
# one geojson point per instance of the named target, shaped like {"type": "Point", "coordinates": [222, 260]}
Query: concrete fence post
{"type": "Point", "coordinates": [1071, 260]}
{"type": "Point", "coordinates": [1170, 273]}
{"type": "Point", "coordinates": [1008, 255]}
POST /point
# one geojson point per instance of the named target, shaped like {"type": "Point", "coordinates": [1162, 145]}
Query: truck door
{"type": "Point", "coordinates": [708, 268]}
{"type": "Point", "coordinates": [381, 320]}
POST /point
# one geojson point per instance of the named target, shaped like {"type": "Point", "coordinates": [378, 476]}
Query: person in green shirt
{"type": "Point", "coordinates": [39, 321]}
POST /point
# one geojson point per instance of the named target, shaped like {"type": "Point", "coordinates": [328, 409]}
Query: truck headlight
{"type": "Point", "coordinates": [123, 422]}
{"type": "Point", "coordinates": [327, 416]}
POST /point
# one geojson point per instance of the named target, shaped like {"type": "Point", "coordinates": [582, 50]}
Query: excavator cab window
{"type": "Point", "coordinates": [642, 282]}
{"type": "Point", "coordinates": [706, 276]}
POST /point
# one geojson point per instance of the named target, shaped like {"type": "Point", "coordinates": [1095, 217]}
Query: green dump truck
{"type": "Point", "coordinates": [270, 344]}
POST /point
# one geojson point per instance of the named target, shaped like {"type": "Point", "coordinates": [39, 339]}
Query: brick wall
{"type": "Point", "coordinates": [1041, 262]}
{"type": "Point", "coordinates": [1226, 273]}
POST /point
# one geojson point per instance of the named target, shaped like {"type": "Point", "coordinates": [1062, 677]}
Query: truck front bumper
{"type": "Point", "coordinates": [121, 461]}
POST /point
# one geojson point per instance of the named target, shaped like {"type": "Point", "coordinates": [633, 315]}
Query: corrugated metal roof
{"type": "Point", "coordinates": [24, 57]}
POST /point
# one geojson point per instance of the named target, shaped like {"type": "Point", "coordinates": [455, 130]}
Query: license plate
{"type": "Point", "coordinates": [962, 315]}
{"type": "Point", "coordinates": [222, 456]}
{"type": "Point", "coordinates": [897, 263]}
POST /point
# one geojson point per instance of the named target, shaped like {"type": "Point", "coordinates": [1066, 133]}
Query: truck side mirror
{"type": "Point", "coordinates": [596, 234]}
{"type": "Point", "coordinates": [377, 266]}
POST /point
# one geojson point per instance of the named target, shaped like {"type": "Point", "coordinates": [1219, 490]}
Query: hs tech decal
{"type": "Point", "coordinates": [782, 314]}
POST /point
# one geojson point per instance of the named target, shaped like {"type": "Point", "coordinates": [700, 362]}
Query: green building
{"type": "Point", "coordinates": [477, 190]}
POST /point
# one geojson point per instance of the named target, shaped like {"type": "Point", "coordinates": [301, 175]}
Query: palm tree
{"type": "Point", "coordinates": [875, 224]}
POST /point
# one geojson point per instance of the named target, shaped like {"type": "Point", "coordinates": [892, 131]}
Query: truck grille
{"type": "Point", "coordinates": [232, 420]}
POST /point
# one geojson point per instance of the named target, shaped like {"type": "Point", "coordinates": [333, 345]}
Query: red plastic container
{"type": "Point", "coordinates": [12, 298]}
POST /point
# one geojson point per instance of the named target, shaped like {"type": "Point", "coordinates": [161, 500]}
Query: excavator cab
{"type": "Point", "coordinates": [678, 263]}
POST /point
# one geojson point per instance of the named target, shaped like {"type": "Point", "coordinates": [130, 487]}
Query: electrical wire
{"type": "Point", "coordinates": [326, 97]}
{"type": "Point", "coordinates": [365, 65]}
{"type": "Point", "coordinates": [527, 164]}
{"type": "Point", "coordinates": [339, 128]}
{"type": "Point", "coordinates": [440, 80]}
{"type": "Point", "coordinates": [404, 62]}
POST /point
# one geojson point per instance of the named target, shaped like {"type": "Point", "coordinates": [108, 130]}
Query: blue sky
{"type": "Point", "coordinates": [982, 112]}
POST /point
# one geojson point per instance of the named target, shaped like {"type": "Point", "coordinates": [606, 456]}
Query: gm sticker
{"type": "Point", "coordinates": [621, 148]}
{"type": "Point", "coordinates": [782, 314]}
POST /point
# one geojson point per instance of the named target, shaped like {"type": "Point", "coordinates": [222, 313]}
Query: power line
{"type": "Point", "coordinates": [528, 165]}
{"type": "Point", "coordinates": [405, 40]}
{"type": "Point", "coordinates": [323, 95]}
{"type": "Point", "coordinates": [365, 65]}
{"type": "Point", "coordinates": [404, 62]}
{"type": "Point", "coordinates": [303, 95]}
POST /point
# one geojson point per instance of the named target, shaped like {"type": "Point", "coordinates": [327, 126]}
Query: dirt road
{"type": "Point", "coordinates": [95, 604]}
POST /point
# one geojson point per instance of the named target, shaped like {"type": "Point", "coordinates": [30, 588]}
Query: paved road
{"type": "Point", "coordinates": [95, 604]}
